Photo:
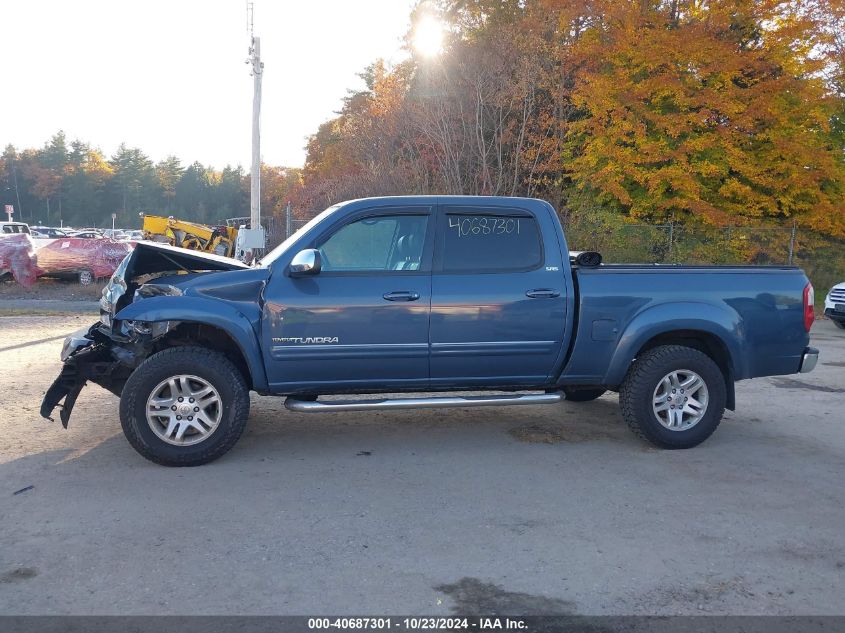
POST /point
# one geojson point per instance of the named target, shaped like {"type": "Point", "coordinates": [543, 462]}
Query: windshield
{"type": "Point", "coordinates": [277, 252]}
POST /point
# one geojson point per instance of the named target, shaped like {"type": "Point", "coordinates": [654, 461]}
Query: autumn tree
{"type": "Point", "coordinates": [278, 184]}
{"type": "Point", "coordinates": [714, 112]}
{"type": "Point", "coordinates": [485, 113]}
{"type": "Point", "coordinates": [45, 183]}
{"type": "Point", "coordinates": [87, 176]}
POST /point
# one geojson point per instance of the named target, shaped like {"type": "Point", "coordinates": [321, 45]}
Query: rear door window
{"type": "Point", "coordinates": [477, 242]}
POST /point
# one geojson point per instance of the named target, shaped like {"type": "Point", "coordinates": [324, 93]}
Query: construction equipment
{"type": "Point", "coordinates": [219, 240]}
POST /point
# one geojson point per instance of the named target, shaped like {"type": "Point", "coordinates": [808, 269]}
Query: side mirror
{"type": "Point", "coordinates": [305, 262]}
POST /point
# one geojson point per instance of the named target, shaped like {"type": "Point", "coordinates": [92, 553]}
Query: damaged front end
{"type": "Point", "coordinates": [107, 352]}
{"type": "Point", "coordinates": [86, 356]}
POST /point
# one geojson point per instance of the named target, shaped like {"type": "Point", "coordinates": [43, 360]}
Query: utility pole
{"type": "Point", "coordinates": [257, 71]}
{"type": "Point", "coordinates": [253, 238]}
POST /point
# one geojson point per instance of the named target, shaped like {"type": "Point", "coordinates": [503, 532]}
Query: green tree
{"type": "Point", "coordinates": [134, 185]}
{"type": "Point", "coordinates": [169, 172]}
{"type": "Point", "coordinates": [192, 193]}
{"type": "Point", "coordinates": [232, 193]}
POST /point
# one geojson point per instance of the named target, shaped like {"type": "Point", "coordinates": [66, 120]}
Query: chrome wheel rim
{"type": "Point", "coordinates": [86, 278]}
{"type": "Point", "coordinates": [680, 400]}
{"type": "Point", "coordinates": [184, 410]}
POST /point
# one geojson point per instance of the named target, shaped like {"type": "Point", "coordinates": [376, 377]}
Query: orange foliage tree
{"type": "Point", "coordinates": [713, 111]}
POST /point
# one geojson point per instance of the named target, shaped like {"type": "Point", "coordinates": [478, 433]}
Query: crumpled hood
{"type": "Point", "coordinates": [150, 257]}
{"type": "Point", "coordinates": [152, 261]}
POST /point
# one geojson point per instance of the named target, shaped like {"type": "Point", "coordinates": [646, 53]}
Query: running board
{"type": "Point", "coordinates": [313, 406]}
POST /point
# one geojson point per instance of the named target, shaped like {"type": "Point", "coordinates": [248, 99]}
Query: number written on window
{"type": "Point", "coordinates": [479, 243]}
{"type": "Point", "coordinates": [484, 225]}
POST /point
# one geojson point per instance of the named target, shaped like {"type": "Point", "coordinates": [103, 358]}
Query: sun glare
{"type": "Point", "coordinates": [428, 36]}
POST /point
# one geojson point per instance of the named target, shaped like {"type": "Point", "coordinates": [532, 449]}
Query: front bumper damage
{"type": "Point", "coordinates": [107, 352]}
{"type": "Point", "coordinates": [87, 356]}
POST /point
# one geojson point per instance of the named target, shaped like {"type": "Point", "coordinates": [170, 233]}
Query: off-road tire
{"type": "Point", "coordinates": [637, 393]}
{"type": "Point", "coordinates": [582, 395]}
{"type": "Point", "coordinates": [207, 364]}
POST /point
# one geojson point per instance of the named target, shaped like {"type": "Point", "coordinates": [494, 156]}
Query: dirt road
{"type": "Point", "coordinates": [553, 509]}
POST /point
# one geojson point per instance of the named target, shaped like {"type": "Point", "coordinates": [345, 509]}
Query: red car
{"type": "Point", "coordinates": [82, 258]}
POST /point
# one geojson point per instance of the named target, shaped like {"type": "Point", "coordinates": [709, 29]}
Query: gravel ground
{"type": "Point", "coordinates": [51, 289]}
{"type": "Point", "coordinates": [554, 509]}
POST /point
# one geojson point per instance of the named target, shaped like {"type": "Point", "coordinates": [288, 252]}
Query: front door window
{"type": "Point", "coordinates": [383, 243]}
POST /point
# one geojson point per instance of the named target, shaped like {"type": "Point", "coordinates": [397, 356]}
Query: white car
{"type": "Point", "coordinates": [48, 232]}
{"type": "Point", "coordinates": [834, 305]}
{"type": "Point", "coordinates": [10, 228]}
{"type": "Point", "coordinates": [87, 234]}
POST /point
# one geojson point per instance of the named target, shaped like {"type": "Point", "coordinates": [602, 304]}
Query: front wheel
{"type": "Point", "coordinates": [184, 406]}
{"type": "Point", "coordinates": [839, 324]}
{"type": "Point", "coordinates": [673, 396]}
{"type": "Point", "coordinates": [86, 278]}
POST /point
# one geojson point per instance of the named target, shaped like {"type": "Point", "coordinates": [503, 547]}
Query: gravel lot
{"type": "Point", "coordinates": [554, 509]}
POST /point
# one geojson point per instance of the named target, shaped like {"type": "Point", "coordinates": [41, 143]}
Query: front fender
{"type": "Point", "coordinates": [208, 312]}
{"type": "Point", "coordinates": [721, 322]}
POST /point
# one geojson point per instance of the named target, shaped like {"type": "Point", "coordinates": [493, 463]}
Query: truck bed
{"type": "Point", "coordinates": [758, 307]}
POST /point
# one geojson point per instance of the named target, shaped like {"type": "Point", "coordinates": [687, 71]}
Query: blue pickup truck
{"type": "Point", "coordinates": [427, 296]}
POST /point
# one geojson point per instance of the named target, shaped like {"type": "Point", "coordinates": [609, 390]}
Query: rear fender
{"type": "Point", "coordinates": [210, 312]}
{"type": "Point", "coordinates": [722, 323]}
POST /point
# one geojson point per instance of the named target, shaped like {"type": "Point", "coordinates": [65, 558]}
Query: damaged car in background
{"type": "Point", "coordinates": [432, 295]}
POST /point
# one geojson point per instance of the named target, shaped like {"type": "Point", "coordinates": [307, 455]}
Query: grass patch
{"type": "Point", "coordinates": [51, 289]}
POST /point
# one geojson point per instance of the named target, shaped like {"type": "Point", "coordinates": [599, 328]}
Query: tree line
{"type": "Point", "coordinates": [703, 111]}
{"type": "Point", "coordinates": [74, 184]}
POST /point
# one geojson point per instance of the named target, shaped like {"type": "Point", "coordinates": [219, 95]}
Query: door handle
{"type": "Point", "coordinates": [401, 295]}
{"type": "Point", "coordinates": [543, 293]}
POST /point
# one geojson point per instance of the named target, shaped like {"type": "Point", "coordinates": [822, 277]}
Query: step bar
{"type": "Point", "coordinates": [443, 402]}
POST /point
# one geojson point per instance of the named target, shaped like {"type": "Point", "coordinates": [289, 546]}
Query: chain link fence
{"type": "Point", "coordinates": [277, 229]}
{"type": "Point", "coordinates": [675, 243]}
{"type": "Point", "coordinates": [820, 256]}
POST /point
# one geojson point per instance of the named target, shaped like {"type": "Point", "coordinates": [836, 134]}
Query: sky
{"type": "Point", "coordinates": [169, 76]}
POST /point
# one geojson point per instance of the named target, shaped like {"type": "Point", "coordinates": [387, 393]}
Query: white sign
{"type": "Point", "coordinates": [114, 216]}
{"type": "Point", "coordinates": [10, 209]}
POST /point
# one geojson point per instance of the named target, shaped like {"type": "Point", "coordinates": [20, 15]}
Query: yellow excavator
{"type": "Point", "coordinates": [219, 240]}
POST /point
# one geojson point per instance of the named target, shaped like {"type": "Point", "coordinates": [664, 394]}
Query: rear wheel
{"type": "Point", "coordinates": [184, 406]}
{"type": "Point", "coordinates": [673, 396]}
{"type": "Point", "coordinates": [582, 395]}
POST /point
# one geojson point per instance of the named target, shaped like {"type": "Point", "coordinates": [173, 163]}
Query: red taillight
{"type": "Point", "coordinates": [809, 301]}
